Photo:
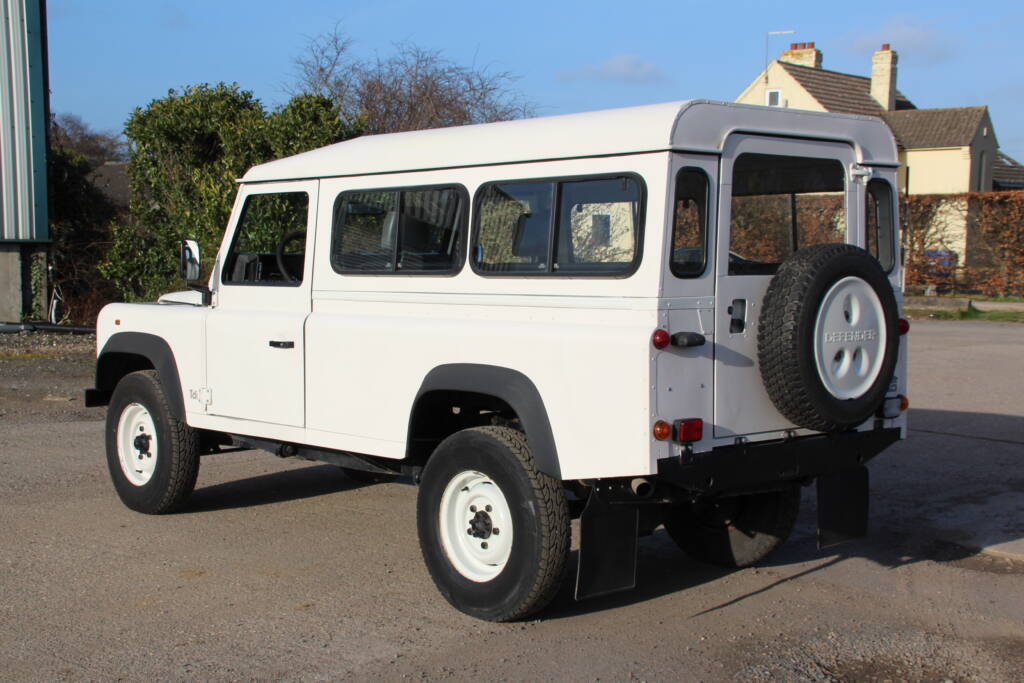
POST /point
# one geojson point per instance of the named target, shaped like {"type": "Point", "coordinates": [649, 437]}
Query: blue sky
{"type": "Point", "coordinates": [108, 57]}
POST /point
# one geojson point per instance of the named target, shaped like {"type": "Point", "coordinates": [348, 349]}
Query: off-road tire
{"type": "Point", "coordinates": [736, 531]}
{"type": "Point", "coordinates": [177, 446]}
{"type": "Point", "coordinates": [786, 336]}
{"type": "Point", "coordinates": [539, 513]}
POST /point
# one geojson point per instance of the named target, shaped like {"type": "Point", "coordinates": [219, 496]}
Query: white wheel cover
{"type": "Point", "coordinates": [136, 455]}
{"type": "Point", "coordinates": [476, 526]}
{"type": "Point", "coordinates": [849, 338]}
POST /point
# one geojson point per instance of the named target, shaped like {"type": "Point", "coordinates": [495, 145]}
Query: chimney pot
{"type": "Point", "coordinates": [811, 44]}
{"type": "Point", "coordinates": [885, 46]}
{"type": "Point", "coordinates": [792, 46]}
{"type": "Point", "coordinates": [803, 46]}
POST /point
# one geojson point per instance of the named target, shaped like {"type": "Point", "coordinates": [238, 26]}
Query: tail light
{"type": "Point", "coordinates": [661, 339]}
{"type": "Point", "coordinates": [903, 326]}
{"type": "Point", "coordinates": [689, 430]}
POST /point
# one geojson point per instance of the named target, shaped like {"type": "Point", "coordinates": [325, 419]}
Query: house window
{"type": "Point", "coordinates": [773, 98]}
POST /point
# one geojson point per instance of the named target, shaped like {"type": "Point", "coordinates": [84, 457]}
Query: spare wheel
{"type": "Point", "coordinates": [827, 337]}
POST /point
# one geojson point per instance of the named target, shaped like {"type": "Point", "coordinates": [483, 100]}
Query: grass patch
{"type": "Point", "coordinates": [971, 313]}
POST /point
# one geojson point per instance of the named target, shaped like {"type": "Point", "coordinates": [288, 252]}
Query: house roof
{"type": "Point", "coordinates": [922, 128]}
{"type": "Point", "coordinates": [1007, 173]}
{"type": "Point", "coordinates": [112, 180]}
{"type": "Point", "coordinates": [842, 93]}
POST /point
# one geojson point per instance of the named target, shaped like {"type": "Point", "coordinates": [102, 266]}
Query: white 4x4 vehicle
{"type": "Point", "coordinates": [675, 314]}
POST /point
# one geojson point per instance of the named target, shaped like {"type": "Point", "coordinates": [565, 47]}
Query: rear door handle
{"type": "Point", "coordinates": [738, 316]}
{"type": "Point", "coordinates": [282, 344]}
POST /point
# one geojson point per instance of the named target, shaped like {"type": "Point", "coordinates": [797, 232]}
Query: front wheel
{"type": "Point", "coordinates": [153, 458]}
{"type": "Point", "coordinates": [494, 531]}
{"type": "Point", "coordinates": [735, 531]}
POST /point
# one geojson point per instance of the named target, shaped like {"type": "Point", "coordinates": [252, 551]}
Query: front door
{"type": "Point", "coordinates": [255, 337]}
{"type": "Point", "coordinates": [777, 195]}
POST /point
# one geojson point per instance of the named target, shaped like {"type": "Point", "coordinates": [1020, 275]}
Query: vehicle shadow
{"type": "Point", "coordinates": [265, 489]}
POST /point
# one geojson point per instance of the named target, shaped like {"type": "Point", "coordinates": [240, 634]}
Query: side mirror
{"type": "Point", "coordinates": [190, 270]}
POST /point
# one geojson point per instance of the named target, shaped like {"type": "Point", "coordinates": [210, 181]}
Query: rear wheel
{"type": "Point", "coordinates": [153, 458]}
{"type": "Point", "coordinates": [493, 530]}
{"type": "Point", "coordinates": [737, 531]}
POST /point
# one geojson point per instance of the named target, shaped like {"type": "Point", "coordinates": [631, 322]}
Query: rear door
{"type": "Point", "coordinates": [777, 195]}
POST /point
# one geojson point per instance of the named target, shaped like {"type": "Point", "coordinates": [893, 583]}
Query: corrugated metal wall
{"type": "Point", "coordinates": [22, 122]}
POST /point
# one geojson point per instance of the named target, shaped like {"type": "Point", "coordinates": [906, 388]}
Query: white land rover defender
{"type": "Point", "coordinates": [674, 314]}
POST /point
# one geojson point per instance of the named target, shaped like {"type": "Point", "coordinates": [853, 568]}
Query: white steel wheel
{"type": "Point", "coordinates": [493, 530]}
{"type": "Point", "coordinates": [137, 444]}
{"type": "Point", "coordinates": [152, 456]}
{"type": "Point", "coordinates": [849, 338]}
{"type": "Point", "coordinates": [476, 525]}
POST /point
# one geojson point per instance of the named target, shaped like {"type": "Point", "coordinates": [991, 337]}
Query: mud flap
{"type": "Point", "coordinates": [842, 506]}
{"type": "Point", "coordinates": [608, 542]}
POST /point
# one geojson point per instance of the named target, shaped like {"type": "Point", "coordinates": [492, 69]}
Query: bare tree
{"type": "Point", "coordinates": [71, 132]}
{"type": "Point", "coordinates": [415, 88]}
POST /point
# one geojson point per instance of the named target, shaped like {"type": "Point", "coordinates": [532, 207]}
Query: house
{"type": "Point", "coordinates": [942, 151]}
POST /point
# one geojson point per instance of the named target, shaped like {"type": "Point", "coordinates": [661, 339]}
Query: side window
{"type": "Point", "coordinates": [269, 247]}
{"type": "Point", "coordinates": [781, 204]}
{"type": "Point", "coordinates": [590, 227]}
{"type": "Point", "coordinates": [402, 230]}
{"type": "Point", "coordinates": [689, 231]}
{"type": "Point", "coordinates": [879, 223]}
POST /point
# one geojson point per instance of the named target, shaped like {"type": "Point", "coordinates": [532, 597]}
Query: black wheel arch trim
{"type": "Point", "coordinates": [114, 362]}
{"type": "Point", "coordinates": [512, 387]}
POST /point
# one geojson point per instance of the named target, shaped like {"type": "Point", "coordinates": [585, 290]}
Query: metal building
{"type": "Point", "coordinates": [23, 117]}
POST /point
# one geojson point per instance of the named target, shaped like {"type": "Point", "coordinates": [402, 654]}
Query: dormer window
{"type": "Point", "coordinates": [773, 98]}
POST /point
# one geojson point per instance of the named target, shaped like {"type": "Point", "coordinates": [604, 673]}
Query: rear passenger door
{"type": "Point", "coordinates": [777, 195]}
{"type": "Point", "coordinates": [255, 337]}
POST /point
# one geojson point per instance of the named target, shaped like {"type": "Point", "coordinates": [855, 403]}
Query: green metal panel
{"type": "Point", "coordinates": [23, 113]}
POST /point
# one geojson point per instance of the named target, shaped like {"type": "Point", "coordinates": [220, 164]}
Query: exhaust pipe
{"type": "Point", "coordinates": [641, 487]}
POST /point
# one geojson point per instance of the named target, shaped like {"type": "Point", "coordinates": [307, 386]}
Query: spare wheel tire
{"type": "Point", "coordinates": [827, 338]}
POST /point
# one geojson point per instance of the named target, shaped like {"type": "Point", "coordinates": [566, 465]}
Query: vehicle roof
{"type": "Point", "coordinates": [688, 125]}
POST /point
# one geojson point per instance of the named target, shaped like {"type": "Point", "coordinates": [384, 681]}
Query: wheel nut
{"type": "Point", "coordinates": [484, 545]}
{"type": "Point", "coordinates": [472, 508]}
{"type": "Point", "coordinates": [469, 531]}
{"type": "Point", "coordinates": [487, 507]}
{"type": "Point", "coordinates": [495, 531]}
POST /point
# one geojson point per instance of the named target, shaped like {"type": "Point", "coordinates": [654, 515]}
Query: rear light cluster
{"type": "Point", "coordinates": [683, 431]}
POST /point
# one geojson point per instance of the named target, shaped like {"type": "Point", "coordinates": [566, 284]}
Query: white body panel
{"type": "Point", "coordinates": [363, 344]}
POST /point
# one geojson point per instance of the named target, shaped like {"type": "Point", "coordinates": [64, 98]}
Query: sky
{"type": "Point", "coordinates": [108, 57]}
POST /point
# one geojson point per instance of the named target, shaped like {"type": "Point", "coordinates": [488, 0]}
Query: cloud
{"type": "Point", "coordinates": [916, 39]}
{"type": "Point", "coordinates": [621, 68]}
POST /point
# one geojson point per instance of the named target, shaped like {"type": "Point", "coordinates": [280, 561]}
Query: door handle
{"type": "Point", "coordinates": [282, 344]}
{"type": "Point", "coordinates": [738, 313]}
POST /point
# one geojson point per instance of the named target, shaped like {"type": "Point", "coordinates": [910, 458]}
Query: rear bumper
{"type": "Point", "coordinates": [751, 465]}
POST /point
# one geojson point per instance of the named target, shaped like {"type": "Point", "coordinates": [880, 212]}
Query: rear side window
{"type": "Point", "coordinates": [689, 225]}
{"type": "Point", "coordinates": [570, 227]}
{"type": "Point", "coordinates": [414, 230]}
{"type": "Point", "coordinates": [879, 223]}
{"type": "Point", "coordinates": [781, 204]}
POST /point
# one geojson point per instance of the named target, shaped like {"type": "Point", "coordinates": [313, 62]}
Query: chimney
{"type": "Point", "coordinates": [883, 77]}
{"type": "Point", "coordinates": [803, 54]}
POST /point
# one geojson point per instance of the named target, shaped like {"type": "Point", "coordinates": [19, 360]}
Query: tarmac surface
{"type": "Point", "coordinates": [288, 570]}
